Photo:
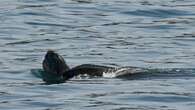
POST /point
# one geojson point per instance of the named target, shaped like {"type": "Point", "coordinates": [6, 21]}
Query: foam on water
{"type": "Point", "coordinates": [123, 71]}
{"type": "Point", "coordinates": [110, 74]}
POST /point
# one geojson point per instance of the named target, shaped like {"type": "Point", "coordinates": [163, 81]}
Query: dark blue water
{"type": "Point", "coordinates": [141, 33]}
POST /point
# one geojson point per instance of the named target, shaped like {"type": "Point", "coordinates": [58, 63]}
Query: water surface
{"type": "Point", "coordinates": [149, 33]}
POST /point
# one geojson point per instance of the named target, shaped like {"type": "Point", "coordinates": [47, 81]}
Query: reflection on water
{"type": "Point", "coordinates": [149, 33]}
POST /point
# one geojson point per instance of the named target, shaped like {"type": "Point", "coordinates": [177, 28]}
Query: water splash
{"type": "Point", "coordinates": [123, 71]}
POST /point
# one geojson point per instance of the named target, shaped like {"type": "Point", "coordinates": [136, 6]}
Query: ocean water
{"type": "Point", "coordinates": [141, 33]}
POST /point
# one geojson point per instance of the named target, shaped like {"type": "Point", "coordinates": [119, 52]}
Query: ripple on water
{"type": "Point", "coordinates": [161, 13]}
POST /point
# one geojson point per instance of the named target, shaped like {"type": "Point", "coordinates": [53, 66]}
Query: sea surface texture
{"type": "Point", "coordinates": [141, 33]}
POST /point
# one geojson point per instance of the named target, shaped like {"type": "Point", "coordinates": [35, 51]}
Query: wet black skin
{"type": "Point", "coordinates": [54, 64]}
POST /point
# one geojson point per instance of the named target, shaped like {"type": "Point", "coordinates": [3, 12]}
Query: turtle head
{"type": "Point", "coordinates": [54, 65]}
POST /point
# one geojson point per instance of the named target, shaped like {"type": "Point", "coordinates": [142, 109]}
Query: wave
{"type": "Point", "coordinates": [143, 73]}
